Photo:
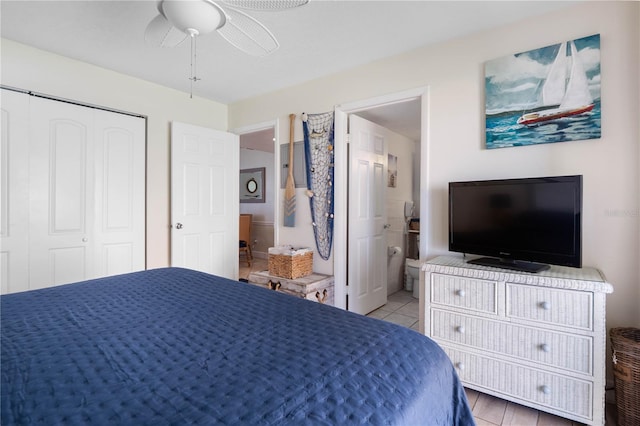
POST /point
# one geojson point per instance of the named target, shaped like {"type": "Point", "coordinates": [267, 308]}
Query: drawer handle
{"type": "Point", "coordinates": [545, 389]}
{"type": "Point", "coordinates": [460, 329]}
{"type": "Point", "coordinates": [460, 293]}
{"type": "Point", "coordinates": [545, 347]}
{"type": "Point", "coordinates": [460, 365]}
{"type": "Point", "coordinates": [544, 305]}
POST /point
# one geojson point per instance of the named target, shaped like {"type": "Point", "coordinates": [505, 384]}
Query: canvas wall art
{"type": "Point", "coordinates": [547, 95]}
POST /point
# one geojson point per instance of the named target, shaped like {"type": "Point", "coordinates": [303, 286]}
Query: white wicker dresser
{"type": "Point", "coordinates": [535, 339]}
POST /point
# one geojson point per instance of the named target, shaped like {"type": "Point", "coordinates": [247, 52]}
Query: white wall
{"type": "Point", "coordinates": [453, 71]}
{"type": "Point", "coordinates": [31, 69]}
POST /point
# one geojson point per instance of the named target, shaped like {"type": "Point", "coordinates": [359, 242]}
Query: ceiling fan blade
{"type": "Point", "coordinates": [160, 32]}
{"type": "Point", "coordinates": [265, 5]}
{"type": "Point", "coordinates": [247, 34]}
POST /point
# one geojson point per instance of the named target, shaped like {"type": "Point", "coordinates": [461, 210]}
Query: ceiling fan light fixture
{"type": "Point", "coordinates": [193, 17]}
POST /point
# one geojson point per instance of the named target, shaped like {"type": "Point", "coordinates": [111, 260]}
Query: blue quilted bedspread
{"type": "Point", "coordinates": [174, 346]}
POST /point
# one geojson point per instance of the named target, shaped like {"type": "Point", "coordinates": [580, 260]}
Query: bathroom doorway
{"type": "Point", "coordinates": [403, 114]}
{"type": "Point", "coordinates": [403, 186]}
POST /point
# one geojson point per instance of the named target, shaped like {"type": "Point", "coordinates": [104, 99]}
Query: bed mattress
{"type": "Point", "coordinates": [176, 346]}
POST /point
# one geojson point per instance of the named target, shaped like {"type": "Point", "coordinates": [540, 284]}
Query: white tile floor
{"type": "Point", "coordinates": [401, 309]}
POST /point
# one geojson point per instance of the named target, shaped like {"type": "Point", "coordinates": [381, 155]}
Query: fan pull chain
{"type": "Point", "coordinates": [193, 77]}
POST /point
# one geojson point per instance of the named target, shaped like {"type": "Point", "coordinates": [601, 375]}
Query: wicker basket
{"type": "Point", "coordinates": [291, 266]}
{"type": "Point", "coordinates": [625, 343]}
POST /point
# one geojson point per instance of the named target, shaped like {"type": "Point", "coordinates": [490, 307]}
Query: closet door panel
{"type": "Point", "coordinates": [67, 197]}
{"type": "Point", "coordinates": [14, 192]}
{"type": "Point", "coordinates": [72, 193]}
{"type": "Point", "coordinates": [120, 194]}
{"type": "Point", "coordinates": [61, 193]}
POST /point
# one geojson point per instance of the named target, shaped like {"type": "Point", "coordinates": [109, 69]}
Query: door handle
{"type": "Point", "coordinates": [387, 226]}
{"type": "Point", "coordinates": [178, 225]}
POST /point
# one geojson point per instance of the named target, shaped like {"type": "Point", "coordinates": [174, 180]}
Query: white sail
{"type": "Point", "coordinates": [554, 86]}
{"type": "Point", "coordinates": [573, 96]}
{"type": "Point", "coordinates": [577, 94]}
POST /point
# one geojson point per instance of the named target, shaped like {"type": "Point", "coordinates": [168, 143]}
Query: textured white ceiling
{"type": "Point", "coordinates": [318, 39]}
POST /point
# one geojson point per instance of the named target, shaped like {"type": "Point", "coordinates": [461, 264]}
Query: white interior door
{"type": "Point", "coordinates": [367, 240]}
{"type": "Point", "coordinates": [60, 192]}
{"type": "Point", "coordinates": [73, 182]}
{"type": "Point", "coordinates": [204, 199]}
{"type": "Point", "coordinates": [14, 213]}
{"type": "Point", "coordinates": [119, 222]}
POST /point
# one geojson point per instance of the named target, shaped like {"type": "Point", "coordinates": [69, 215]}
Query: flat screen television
{"type": "Point", "coordinates": [522, 224]}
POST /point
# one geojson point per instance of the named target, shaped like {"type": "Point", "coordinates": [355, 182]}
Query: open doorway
{"type": "Point", "coordinates": [402, 201]}
{"type": "Point", "coordinates": [258, 157]}
{"type": "Point", "coordinates": [402, 113]}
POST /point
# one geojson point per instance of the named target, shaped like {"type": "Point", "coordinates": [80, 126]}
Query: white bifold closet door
{"type": "Point", "coordinates": [83, 197]}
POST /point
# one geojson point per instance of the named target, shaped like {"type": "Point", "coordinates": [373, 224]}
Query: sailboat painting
{"type": "Point", "coordinates": [547, 95]}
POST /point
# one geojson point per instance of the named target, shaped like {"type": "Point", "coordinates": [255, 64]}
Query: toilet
{"type": "Point", "coordinates": [412, 274]}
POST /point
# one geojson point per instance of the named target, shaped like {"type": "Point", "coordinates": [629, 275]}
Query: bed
{"type": "Point", "coordinates": [176, 346]}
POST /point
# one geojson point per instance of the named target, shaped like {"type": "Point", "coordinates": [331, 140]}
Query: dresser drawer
{"type": "Point", "coordinates": [564, 395]}
{"type": "Point", "coordinates": [563, 350]}
{"type": "Point", "coordinates": [553, 306]}
{"type": "Point", "coordinates": [462, 292]}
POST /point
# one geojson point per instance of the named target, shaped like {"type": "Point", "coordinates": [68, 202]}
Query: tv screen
{"type": "Point", "coordinates": [521, 224]}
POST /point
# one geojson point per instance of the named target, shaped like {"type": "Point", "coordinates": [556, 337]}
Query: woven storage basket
{"type": "Point", "coordinates": [625, 343]}
{"type": "Point", "coordinates": [291, 266]}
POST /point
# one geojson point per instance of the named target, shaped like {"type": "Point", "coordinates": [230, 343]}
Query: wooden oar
{"type": "Point", "coordinates": [290, 187]}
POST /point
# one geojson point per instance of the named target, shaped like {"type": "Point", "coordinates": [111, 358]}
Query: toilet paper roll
{"type": "Point", "coordinates": [394, 250]}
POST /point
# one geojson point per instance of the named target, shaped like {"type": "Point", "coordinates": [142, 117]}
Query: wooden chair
{"type": "Point", "coordinates": [245, 237]}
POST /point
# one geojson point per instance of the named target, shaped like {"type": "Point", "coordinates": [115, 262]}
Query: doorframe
{"type": "Point", "coordinates": [252, 128]}
{"type": "Point", "coordinates": [341, 179]}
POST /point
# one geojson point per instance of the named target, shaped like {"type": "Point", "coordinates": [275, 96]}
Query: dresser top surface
{"type": "Point", "coordinates": [557, 276]}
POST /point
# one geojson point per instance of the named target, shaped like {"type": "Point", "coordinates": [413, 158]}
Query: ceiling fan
{"type": "Point", "coordinates": [181, 19]}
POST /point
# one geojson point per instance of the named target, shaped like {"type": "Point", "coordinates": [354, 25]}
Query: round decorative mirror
{"type": "Point", "coordinates": [252, 185]}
